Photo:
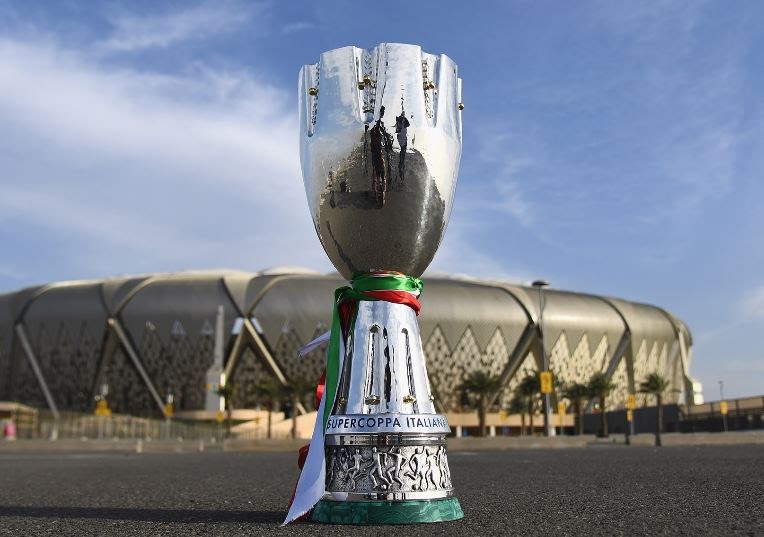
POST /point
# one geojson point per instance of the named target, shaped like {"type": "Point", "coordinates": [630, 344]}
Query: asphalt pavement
{"type": "Point", "coordinates": [607, 490]}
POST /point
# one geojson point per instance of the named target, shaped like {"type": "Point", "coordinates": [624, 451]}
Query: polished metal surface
{"type": "Point", "coordinates": [384, 370]}
{"type": "Point", "coordinates": [380, 143]}
{"type": "Point", "coordinates": [392, 496]}
{"type": "Point", "coordinates": [385, 439]}
{"type": "Point", "coordinates": [380, 197]}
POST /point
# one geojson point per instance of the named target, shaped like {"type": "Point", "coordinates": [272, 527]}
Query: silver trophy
{"type": "Point", "coordinates": [380, 143]}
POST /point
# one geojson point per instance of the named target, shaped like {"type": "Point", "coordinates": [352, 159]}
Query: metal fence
{"type": "Point", "coordinates": [117, 427]}
{"type": "Point", "coordinates": [742, 414]}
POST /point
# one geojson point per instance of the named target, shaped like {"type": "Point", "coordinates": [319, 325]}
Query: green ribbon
{"type": "Point", "coordinates": [360, 283]}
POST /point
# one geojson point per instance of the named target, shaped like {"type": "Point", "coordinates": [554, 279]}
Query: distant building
{"type": "Point", "coordinates": [147, 337]}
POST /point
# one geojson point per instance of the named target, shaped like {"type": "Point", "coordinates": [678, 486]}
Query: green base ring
{"type": "Point", "coordinates": [401, 512]}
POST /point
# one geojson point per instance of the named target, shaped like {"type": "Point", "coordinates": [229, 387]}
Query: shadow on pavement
{"type": "Point", "coordinates": [145, 515]}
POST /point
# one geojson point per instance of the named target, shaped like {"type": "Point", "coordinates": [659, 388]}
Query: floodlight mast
{"type": "Point", "coordinates": [540, 285]}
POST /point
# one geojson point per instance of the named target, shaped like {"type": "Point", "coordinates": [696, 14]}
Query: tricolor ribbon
{"type": "Point", "coordinates": [388, 286]}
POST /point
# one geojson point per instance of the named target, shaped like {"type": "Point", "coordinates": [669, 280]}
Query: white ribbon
{"type": "Point", "coordinates": [305, 349]}
{"type": "Point", "coordinates": [312, 483]}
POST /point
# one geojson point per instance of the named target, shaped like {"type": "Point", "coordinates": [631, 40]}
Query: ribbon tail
{"type": "Point", "coordinates": [312, 483]}
{"type": "Point", "coordinates": [323, 338]}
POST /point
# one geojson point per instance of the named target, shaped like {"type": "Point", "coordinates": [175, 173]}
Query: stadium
{"type": "Point", "coordinates": [152, 336]}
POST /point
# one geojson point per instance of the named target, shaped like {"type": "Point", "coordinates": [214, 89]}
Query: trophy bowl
{"type": "Point", "coordinates": [380, 143]}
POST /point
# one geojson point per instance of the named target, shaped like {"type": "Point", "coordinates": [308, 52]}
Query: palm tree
{"type": "Point", "coordinates": [519, 405]}
{"type": "Point", "coordinates": [297, 389]}
{"type": "Point", "coordinates": [530, 387]}
{"type": "Point", "coordinates": [657, 385]}
{"type": "Point", "coordinates": [272, 392]}
{"type": "Point", "coordinates": [481, 385]}
{"type": "Point", "coordinates": [227, 392]}
{"type": "Point", "coordinates": [577, 393]}
{"type": "Point", "coordinates": [600, 387]}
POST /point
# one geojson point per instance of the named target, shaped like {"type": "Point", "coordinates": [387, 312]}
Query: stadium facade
{"type": "Point", "coordinates": [153, 335]}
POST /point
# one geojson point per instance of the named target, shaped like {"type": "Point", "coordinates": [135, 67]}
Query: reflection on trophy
{"type": "Point", "coordinates": [380, 142]}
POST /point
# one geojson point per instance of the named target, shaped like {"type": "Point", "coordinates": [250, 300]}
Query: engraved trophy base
{"type": "Point", "coordinates": [405, 512]}
{"type": "Point", "coordinates": [386, 460]}
{"type": "Point", "coordinates": [387, 477]}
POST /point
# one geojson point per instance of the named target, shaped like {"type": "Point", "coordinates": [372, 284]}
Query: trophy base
{"type": "Point", "coordinates": [400, 512]}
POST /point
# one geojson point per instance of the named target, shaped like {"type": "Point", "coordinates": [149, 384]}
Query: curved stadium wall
{"type": "Point", "coordinates": [148, 336]}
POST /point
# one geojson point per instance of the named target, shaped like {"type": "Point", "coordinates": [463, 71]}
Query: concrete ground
{"type": "Point", "coordinates": [597, 490]}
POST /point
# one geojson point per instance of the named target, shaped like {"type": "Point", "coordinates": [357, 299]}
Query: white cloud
{"type": "Point", "coordinates": [507, 161]}
{"type": "Point", "coordinates": [648, 21]}
{"type": "Point", "coordinates": [471, 263]}
{"type": "Point", "coordinates": [297, 27]}
{"type": "Point", "coordinates": [133, 171]}
{"type": "Point", "coordinates": [695, 88]}
{"type": "Point", "coordinates": [135, 33]}
{"type": "Point", "coordinates": [460, 251]}
{"type": "Point", "coordinates": [512, 200]}
{"type": "Point", "coordinates": [753, 303]}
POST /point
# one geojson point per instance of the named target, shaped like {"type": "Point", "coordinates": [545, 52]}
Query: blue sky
{"type": "Point", "coordinates": [610, 147]}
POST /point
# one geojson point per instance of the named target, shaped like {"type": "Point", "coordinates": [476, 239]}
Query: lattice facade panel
{"type": "Point", "coordinates": [87, 355]}
{"type": "Point", "coordinates": [441, 369]}
{"type": "Point", "coordinates": [5, 364]}
{"type": "Point", "coordinates": [559, 356]}
{"type": "Point", "coordinates": [156, 359]}
{"type": "Point", "coordinates": [651, 358]}
{"type": "Point", "coordinates": [68, 361]}
{"type": "Point", "coordinates": [640, 358]}
{"type": "Point", "coordinates": [23, 385]}
{"type": "Point", "coordinates": [248, 373]}
{"type": "Point", "coordinates": [470, 357]}
{"type": "Point", "coordinates": [496, 353]}
{"type": "Point", "coordinates": [315, 361]}
{"type": "Point", "coordinates": [600, 358]}
{"type": "Point", "coordinates": [529, 366]}
{"type": "Point", "coordinates": [663, 366]}
{"type": "Point", "coordinates": [651, 366]}
{"type": "Point", "coordinates": [448, 368]}
{"type": "Point", "coordinates": [178, 367]}
{"type": "Point", "coordinates": [582, 364]}
{"type": "Point", "coordinates": [181, 375]}
{"type": "Point", "coordinates": [308, 367]}
{"type": "Point", "coordinates": [199, 361]}
{"type": "Point", "coordinates": [618, 397]}
{"type": "Point", "coordinates": [127, 392]}
{"type": "Point", "coordinates": [676, 377]}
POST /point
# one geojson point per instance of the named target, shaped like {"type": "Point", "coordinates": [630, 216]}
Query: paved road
{"type": "Point", "coordinates": [590, 491]}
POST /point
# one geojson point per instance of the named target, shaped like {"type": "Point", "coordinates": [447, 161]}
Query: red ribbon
{"type": "Point", "coordinates": [396, 297]}
{"type": "Point", "coordinates": [320, 389]}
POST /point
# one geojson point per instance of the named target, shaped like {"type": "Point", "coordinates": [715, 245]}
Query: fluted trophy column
{"type": "Point", "coordinates": [380, 143]}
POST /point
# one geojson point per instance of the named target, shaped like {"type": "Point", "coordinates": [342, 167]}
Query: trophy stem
{"type": "Point", "coordinates": [386, 460]}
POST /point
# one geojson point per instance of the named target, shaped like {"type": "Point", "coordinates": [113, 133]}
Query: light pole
{"type": "Point", "coordinates": [169, 409]}
{"type": "Point", "coordinates": [540, 284]}
{"type": "Point", "coordinates": [722, 402]}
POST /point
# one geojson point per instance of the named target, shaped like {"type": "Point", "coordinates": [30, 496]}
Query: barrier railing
{"type": "Point", "coordinates": [118, 427]}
